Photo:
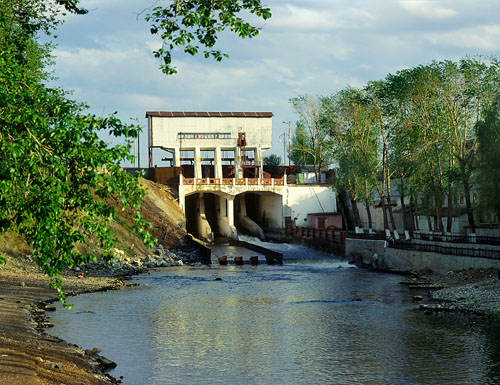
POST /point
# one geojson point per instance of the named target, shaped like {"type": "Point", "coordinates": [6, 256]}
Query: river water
{"type": "Point", "coordinates": [315, 320]}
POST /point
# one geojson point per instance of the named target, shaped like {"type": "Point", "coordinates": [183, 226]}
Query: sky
{"type": "Point", "coordinates": [308, 47]}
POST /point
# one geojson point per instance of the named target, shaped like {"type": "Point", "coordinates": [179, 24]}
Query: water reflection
{"type": "Point", "coordinates": [302, 323]}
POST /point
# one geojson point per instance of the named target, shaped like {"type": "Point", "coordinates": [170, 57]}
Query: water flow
{"type": "Point", "coordinates": [291, 251]}
{"type": "Point", "coordinates": [314, 320]}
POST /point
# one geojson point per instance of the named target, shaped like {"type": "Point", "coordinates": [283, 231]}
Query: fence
{"type": "Point", "coordinates": [234, 181]}
{"type": "Point", "coordinates": [165, 175]}
{"type": "Point", "coordinates": [373, 236]}
{"type": "Point", "coordinates": [448, 250]}
{"type": "Point", "coordinates": [332, 236]}
{"type": "Point", "coordinates": [457, 238]}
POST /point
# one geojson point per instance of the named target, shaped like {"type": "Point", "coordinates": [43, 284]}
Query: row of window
{"type": "Point", "coordinates": [204, 135]}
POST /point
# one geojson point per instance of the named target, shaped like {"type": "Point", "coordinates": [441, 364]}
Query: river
{"type": "Point", "coordinates": [314, 320]}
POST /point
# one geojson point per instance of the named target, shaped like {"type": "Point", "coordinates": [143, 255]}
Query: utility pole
{"type": "Point", "coordinates": [284, 147]}
{"type": "Point", "coordinates": [289, 142]}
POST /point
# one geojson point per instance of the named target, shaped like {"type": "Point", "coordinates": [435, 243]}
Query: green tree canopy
{"type": "Point", "coordinates": [59, 182]}
{"type": "Point", "coordinates": [272, 164]}
{"type": "Point", "coordinates": [191, 24]}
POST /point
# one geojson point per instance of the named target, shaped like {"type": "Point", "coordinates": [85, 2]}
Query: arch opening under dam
{"type": "Point", "coordinates": [215, 213]}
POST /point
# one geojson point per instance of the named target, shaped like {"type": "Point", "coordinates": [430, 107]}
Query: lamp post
{"type": "Point", "coordinates": [284, 146]}
{"type": "Point", "coordinates": [289, 143]}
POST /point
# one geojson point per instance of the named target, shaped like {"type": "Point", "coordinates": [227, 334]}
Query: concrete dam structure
{"type": "Point", "coordinates": [223, 189]}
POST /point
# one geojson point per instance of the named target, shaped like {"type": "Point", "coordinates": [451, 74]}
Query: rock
{"type": "Point", "coordinates": [159, 263]}
{"type": "Point", "coordinates": [137, 262]}
{"type": "Point", "coordinates": [46, 325]}
{"type": "Point", "coordinates": [93, 351]}
{"type": "Point", "coordinates": [106, 363]}
{"type": "Point", "coordinates": [50, 308]}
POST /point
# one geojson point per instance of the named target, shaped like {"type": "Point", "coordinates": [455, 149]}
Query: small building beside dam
{"type": "Point", "coordinates": [215, 158]}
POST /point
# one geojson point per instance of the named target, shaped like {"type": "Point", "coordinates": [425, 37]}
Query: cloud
{"type": "Point", "coordinates": [485, 37]}
{"type": "Point", "coordinates": [432, 10]}
{"type": "Point", "coordinates": [303, 18]}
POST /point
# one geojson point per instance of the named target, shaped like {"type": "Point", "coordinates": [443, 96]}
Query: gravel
{"type": "Point", "coordinates": [475, 291]}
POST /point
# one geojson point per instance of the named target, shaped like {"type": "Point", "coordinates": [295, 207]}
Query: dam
{"type": "Point", "coordinates": [215, 159]}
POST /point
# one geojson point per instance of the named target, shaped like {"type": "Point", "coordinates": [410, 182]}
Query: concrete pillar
{"type": "Point", "coordinates": [224, 222]}
{"type": "Point", "coordinates": [218, 163]}
{"type": "Point", "coordinates": [230, 210]}
{"type": "Point", "coordinates": [177, 157]}
{"type": "Point", "coordinates": [259, 161]}
{"type": "Point", "coordinates": [203, 227]}
{"type": "Point", "coordinates": [197, 163]}
{"type": "Point", "coordinates": [238, 172]}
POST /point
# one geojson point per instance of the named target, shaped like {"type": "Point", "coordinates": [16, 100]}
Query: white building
{"type": "Point", "coordinates": [208, 141]}
{"type": "Point", "coordinates": [222, 186]}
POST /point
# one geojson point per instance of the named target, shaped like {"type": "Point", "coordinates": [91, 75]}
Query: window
{"type": "Point", "coordinates": [204, 135]}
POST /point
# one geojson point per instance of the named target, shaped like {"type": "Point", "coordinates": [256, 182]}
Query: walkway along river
{"type": "Point", "coordinates": [314, 320]}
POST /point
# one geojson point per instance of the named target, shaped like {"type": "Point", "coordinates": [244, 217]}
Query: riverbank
{"type": "Point", "coordinates": [29, 355]}
{"type": "Point", "coordinates": [471, 291]}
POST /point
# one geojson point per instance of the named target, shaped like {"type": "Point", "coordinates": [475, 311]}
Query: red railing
{"type": "Point", "coordinates": [235, 181]}
{"type": "Point", "coordinates": [333, 236]}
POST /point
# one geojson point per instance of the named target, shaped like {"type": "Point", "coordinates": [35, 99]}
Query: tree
{"type": "Point", "coordinates": [59, 182]}
{"type": "Point", "coordinates": [311, 142]}
{"type": "Point", "coordinates": [272, 164]}
{"type": "Point", "coordinates": [189, 24]}
{"type": "Point", "coordinates": [350, 119]}
{"type": "Point", "coordinates": [469, 87]}
{"type": "Point", "coordinates": [488, 135]}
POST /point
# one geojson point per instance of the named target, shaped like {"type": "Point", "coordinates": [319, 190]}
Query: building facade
{"type": "Point", "coordinates": [222, 188]}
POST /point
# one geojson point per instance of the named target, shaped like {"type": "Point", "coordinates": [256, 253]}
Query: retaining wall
{"type": "Point", "coordinates": [361, 251]}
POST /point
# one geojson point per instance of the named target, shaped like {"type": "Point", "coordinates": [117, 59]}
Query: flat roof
{"type": "Point", "coordinates": [208, 114]}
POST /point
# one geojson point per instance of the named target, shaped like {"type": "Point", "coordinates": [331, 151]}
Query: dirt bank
{"type": "Point", "coordinates": [27, 354]}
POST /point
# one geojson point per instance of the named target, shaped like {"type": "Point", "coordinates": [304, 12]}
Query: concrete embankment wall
{"type": "Point", "coordinates": [361, 250]}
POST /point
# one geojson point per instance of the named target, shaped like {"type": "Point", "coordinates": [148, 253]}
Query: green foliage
{"type": "Point", "coordinates": [189, 24]}
{"type": "Point", "coordinates": [300, 147]}
{"type": "Point", "coordinates": [495, 314]}
{"type": "Point", "coordinates": [488, 133]}
{"type": "Point", "coordinates": [59, 182]}
{"type": "Point", "coordinates": [420, 125]}
{"type": "Point", "coordinates": [311, 144]}
{"type": "Point", "coordinates": [352, 121]}
{"type": "Point", "coordinates": [272, 164]}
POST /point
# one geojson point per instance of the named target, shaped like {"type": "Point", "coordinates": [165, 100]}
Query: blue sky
{"type": "Point", "coordinates": [313, 47]}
